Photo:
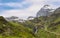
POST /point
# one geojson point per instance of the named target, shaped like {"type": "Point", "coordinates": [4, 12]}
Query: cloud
{"type": "Point", "coordinates": [20, 13]}
{"type": "Point", "coordinates": [33, 6]}
{"type": "Point", "coordinates": [30, 11]}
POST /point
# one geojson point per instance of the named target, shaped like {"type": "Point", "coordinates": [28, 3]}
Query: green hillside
{"type": "Point", "coordinates": [13, 30]}
{"type": "Point", "coordinates": [41, 27]}
{"type": "Point", "coordinates": [47, 26]}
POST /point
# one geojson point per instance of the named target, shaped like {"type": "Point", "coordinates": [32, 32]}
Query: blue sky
{"type": "Point", "coordinates": [4, 4]}
{"type": "Point", "coordinates": [24, 8]}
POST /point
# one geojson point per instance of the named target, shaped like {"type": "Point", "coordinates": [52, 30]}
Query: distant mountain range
{"type": "Point", "coordinates": [14, 18]}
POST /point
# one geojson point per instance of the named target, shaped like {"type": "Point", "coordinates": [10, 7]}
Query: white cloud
{"type": "Point", "coordinates": [30, 11]}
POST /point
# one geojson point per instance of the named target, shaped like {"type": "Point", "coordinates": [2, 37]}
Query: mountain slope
{"type": "Point", "coordinates": [13, 30]}
{"type": "Point", "coordinates": [47, 26]}
{"type": "Point", "coordinates": [39, 27]}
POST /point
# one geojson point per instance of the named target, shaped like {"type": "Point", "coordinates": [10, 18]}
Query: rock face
{"type": "Point", "coordinates": [44, 11]}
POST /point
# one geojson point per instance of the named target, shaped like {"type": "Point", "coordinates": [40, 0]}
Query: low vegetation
{"type": "Point", "coordinates": [41, 27]}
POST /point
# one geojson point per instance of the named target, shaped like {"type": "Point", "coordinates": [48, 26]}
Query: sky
{"type": "Point", "coordinates": [24, 8]}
